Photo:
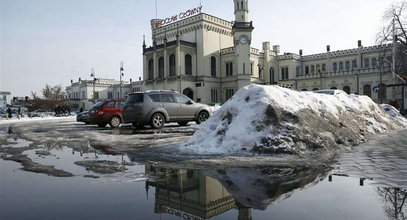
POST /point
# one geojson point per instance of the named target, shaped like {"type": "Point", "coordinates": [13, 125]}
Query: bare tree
{"type": "Point", "coordinates": [394, 31]}
{"type": "Point", "coordinates": [394, 202]}
{"type": "Point", "coordinates": [52, 96]}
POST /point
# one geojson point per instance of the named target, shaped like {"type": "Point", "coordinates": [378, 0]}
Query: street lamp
{"type": "Point", "coordinates": [94, 81]}
{"type": "Point", "coordinates": [121, 75]}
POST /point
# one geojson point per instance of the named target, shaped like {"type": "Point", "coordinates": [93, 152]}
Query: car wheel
{"type": "Point", "coordinates": [182, 123]}
{"type": "Point", "coordinates": [114, 121]}
{"type": "Point", "coordinates": [102, 125]}
{"type": "Point", "coordinates": [157, 120]}
{"type": "Point", "coordinates": [202, 116]}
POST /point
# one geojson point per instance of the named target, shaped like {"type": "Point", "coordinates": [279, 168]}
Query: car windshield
{"type": "Point", "coordinates": [135, 98]}
{"type": "Point", "coordinates": [97, 105]}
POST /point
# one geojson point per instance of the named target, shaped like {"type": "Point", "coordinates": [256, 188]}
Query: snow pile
{"type": "Point", "coordinates": [392, 111]}
{"type": "Point", "coordinates": [271, 119]}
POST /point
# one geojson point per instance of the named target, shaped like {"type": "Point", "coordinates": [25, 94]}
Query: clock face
{"type": "Point", "coordinates": [243, 40]}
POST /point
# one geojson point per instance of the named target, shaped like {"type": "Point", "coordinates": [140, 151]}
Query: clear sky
{"type": "Point", "coordinates": [54, 41]}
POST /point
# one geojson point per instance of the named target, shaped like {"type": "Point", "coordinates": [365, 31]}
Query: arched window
{"type": "Point", "coordinates": [304, 90]}
{"type": "Point", "coordinates": [323, 67]}
{"type": "Point", "coordinates": [213, 66]}
{"type": "Point", "coordinates": [318, 68]}
{"type": "Point", "coordinates": [237, 5]}
{"type": "Point", "coordinates": [346, 89]}
{"type": "Point", "coordinates": [367, 90]}
{"type": "Point", "coordinates": [367, 63]}
{"type": "Point", "coordinates": [172, 65]}
{"type": "Point", "coordinates": [151, 69]}
{"type": "Point", "coordinates": [335, 67]}
{"type": "Point", "coordinates": [188, 64]}
{"type": "Point", "coordinates": [347, 65]}
{"type": "Point", "coordinates": [161, 67]}
{"type": "Point", "coordinates": [382, 91]}
{"type": "Point", "coordinates": [374, 62]}
{"type": "Point", "coordinates": [340, 66]}
{"type": "Point", "coordinates": [306, 70]}
{"type": "Point", "coordinates": [312, 69]}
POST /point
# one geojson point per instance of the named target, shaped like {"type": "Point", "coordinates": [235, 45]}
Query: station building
{"type": "Point", "coordinates": [209, 59]}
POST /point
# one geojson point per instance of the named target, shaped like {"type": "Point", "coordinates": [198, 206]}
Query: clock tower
{"type": "Point", "coordinates": [242, 32]}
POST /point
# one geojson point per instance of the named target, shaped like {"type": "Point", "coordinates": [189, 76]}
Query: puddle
{"type": "Point", "coordinates": [17, 143]}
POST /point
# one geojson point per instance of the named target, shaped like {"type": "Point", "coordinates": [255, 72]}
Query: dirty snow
{"type": "Point", "coordinates": [271, 119]}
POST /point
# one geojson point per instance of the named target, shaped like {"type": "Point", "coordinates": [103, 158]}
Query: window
{"type": "Point", "coordinates": [135, 98]}
{"type": "Point", "coordinates": [354, 65]}
{"type": "Point", "coordinates": [83, 94]}
{"type": "Point", "coordinates": [155, 97]}
{"type": "Point", "coordinates": [251, 68]}
{"type": "Point", "coordinates": [161, 67]}
{"type": "Point", "coordinates": [214, 95]}
{"type": "Point", "coordinates": [272, 75]}
{"type": "Point", "coordinates": [242, 5]}
{"type": "Point", "coordinates": [167, 98]}
{"type": "Point", "coordinates": [346, 89]}
{"type": "Point", "coordinates": [315, 89]}
{"type": "Point", "coordinates": [335, 67]}
{"type": "Point", "coordinates": [367, 63]}
{"type": "Point", "coordinates": [340, 66]}
{"type": "Point", "coordinates": [318, 68]}
{"type": "Point", "coordinates": [181, 98]}
{"type": "Point", "coordinates": [120, 104]}
{"type": "Point", "coordinates": [297, 71]}
{"type": "Point", "coordinates": [188, 64]}
{"type": "Point", "coordinates": [96, 95]}
{"type": "Point", "coordinates": [367, 90]}
{"type": "Point", "coordinates": [323, 67]}
{"type": "Point", "coordinates": [347, 65]}
{"type": "Point", "coordinates": [109, 95]}
{"type": "Point", "coordinates": [172, 65]}
{"type": "Point", "coordinates": [312, 69]}
{"type": "Point", "coordinates": [229, 93]}
{"type": "Point", "coordinates": [306, 70]}
{"type": "Point", "coordinates": [151, 69]}
{"type": "Point", "coordinates": [213, 66]}
{"type": "Point", "coordinates": [110, 105]}
{"type": "Point", "coordinates": [229, 69]}
{"type": "Point", "coordinates": [382, 91]}
{"type": "Point", "coordinates": [284, 73]}
{"type": "Point", "coordinates": [374, 63]}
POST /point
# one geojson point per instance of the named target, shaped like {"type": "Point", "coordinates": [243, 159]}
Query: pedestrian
{"type": "Point", "coordinates": [9, 112]}
{"type": "Point", "coordinates": [19, 112]}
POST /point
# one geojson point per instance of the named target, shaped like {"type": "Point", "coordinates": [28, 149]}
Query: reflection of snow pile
{"type": "Point", "coordinates": [271, 119]}
{"type": "Point", "coordinates": [260, 187]}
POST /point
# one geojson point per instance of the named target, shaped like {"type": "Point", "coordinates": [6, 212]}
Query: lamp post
{"type": "Point", "coordinates": [94, 81]}
{"type": "Point", "coordinates": [121, 75]}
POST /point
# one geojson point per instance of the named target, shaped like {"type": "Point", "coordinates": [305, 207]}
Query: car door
{"type": "Point", "coordinates": [187, 108]}
{"type": "Point", "coordinates": [109, 110]}
{"type": "Point", "coordinates": [170, 105]}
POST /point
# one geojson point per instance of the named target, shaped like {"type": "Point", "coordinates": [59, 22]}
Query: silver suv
{"type": "Point", "coordinates": [158, 107]}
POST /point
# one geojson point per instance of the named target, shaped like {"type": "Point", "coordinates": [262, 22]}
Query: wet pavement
{"type": "Point", "coordinates": [109, 182]}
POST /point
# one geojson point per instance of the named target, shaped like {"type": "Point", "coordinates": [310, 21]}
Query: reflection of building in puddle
{"type": "Point", "coordinates": [188, 194]}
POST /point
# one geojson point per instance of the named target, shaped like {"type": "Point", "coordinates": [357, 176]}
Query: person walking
{"type": "Point", "coordinates": [9, 112]}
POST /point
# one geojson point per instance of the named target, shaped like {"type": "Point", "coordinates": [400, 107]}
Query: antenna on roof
{"type": "Point", "coordinates": [156, 10]}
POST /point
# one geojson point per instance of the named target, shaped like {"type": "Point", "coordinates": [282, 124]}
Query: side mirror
{"type": "Point", "coordinates": [189, 102]}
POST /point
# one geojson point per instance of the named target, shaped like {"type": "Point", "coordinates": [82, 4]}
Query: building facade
{"type": "Point", "coordinates": [209, 59]}
{"type": "Point", "coordinates": [84, 93]}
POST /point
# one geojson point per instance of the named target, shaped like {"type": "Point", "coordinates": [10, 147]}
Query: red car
{"type": "Point", "coordinates": [107, 112]}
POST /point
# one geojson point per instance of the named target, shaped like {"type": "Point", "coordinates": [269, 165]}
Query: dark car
{"type": "Point", "coordinates": [107, 112]}
{"type": "Point", "coordinates": [158, 107]}
{"type": "Point", "coordinates": [83, 117]}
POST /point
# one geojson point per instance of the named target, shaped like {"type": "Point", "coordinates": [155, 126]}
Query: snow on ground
{"type": "Point", "coordinates": [271, 119]}
{"type": "Point", "coordinates": [28, 119]}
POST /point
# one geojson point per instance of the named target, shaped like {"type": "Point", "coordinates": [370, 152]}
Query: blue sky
{"type": "Point", "coordinates": [54, 41]}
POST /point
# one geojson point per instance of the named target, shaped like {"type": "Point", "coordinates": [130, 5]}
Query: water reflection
{"type": "Point", "coordinates": [394, 200]}
{"type": "Point", "coordinates": [196, 194]}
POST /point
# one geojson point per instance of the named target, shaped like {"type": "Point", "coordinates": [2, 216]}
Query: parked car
{"type": "Point", "coordinates": [107, 112]}
{"type": "Point", "coordinates": [83, 117]}
{"type": "Point", "coordinates": [158, 107]}
{"type": "Point", "coordinates": [40, 113]}
{"type": "Point", "coordinates": [330, 92]}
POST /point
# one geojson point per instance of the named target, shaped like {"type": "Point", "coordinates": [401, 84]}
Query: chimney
{"type": "Point", "coordinates": [266, 46]}
{"type": "Point", "coordinates": [130, 79]}
{"type": "Point", "coordinates": [276, 49]}
{"type": "Point", "coordinates": [359, 43]}
{"type": "Point", "coordinates": [80, 79]}
{"type": "Point", "coordinates": [301, 52]}
{"type": "Point", "coordinates": [139, 79]}
{"type": "Point", "coordinates": [328, 48]}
